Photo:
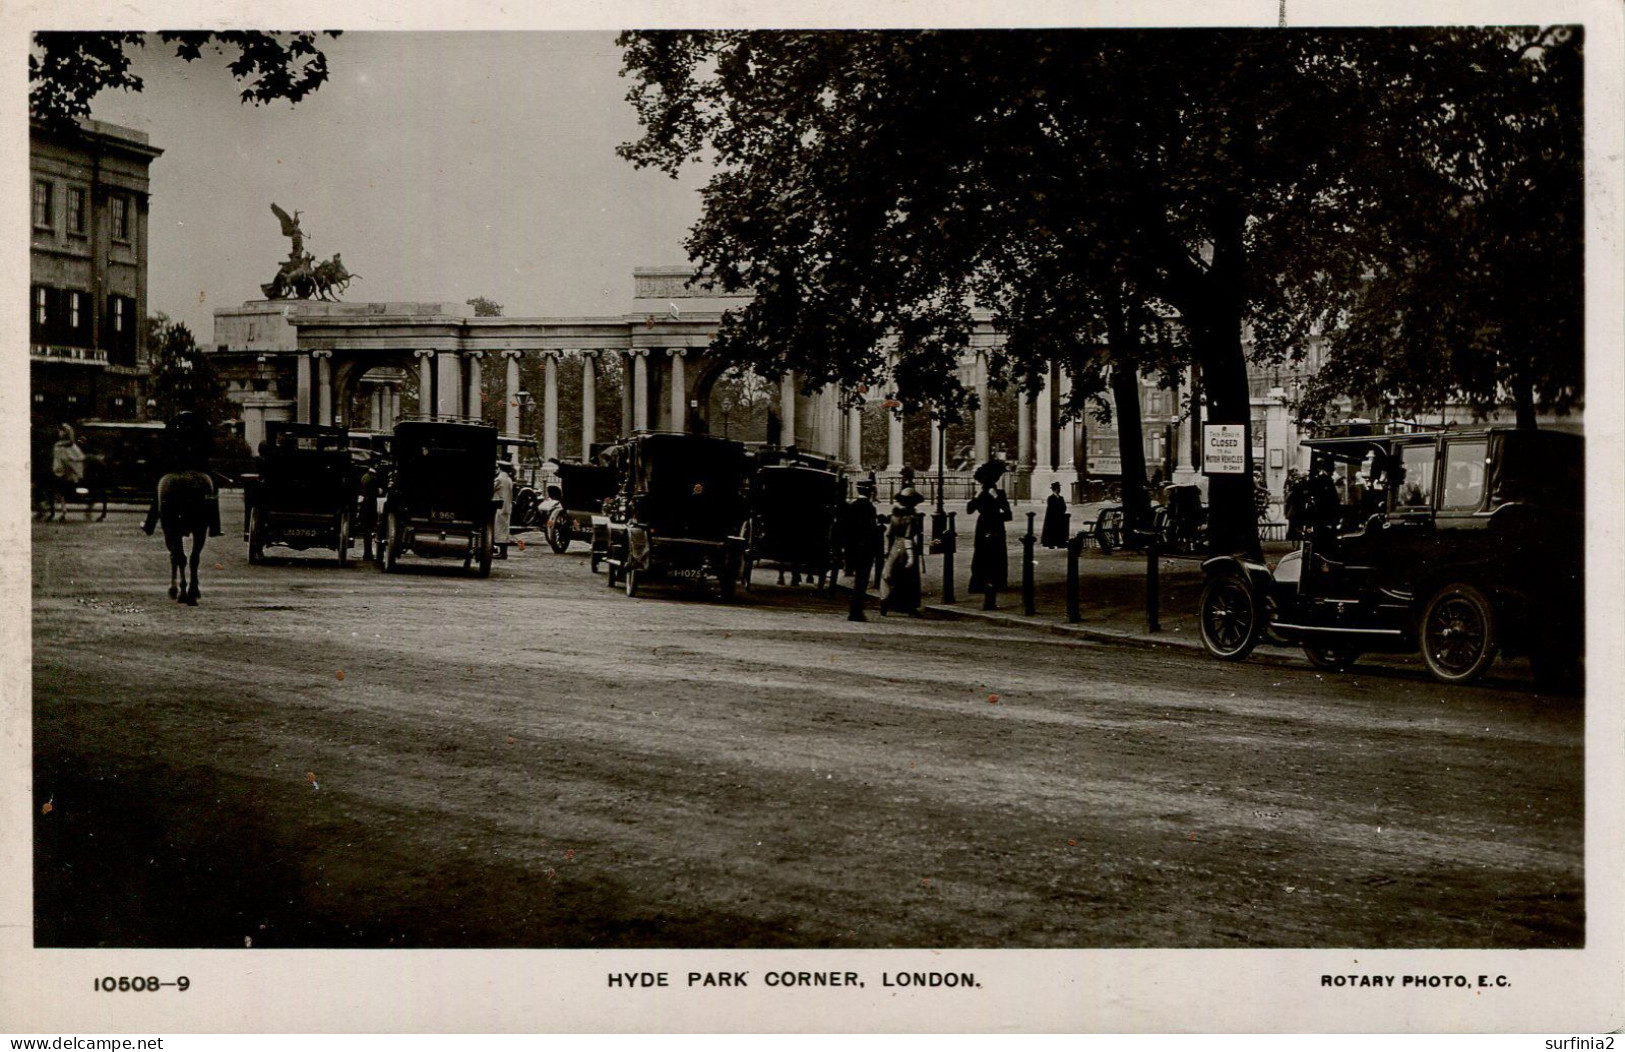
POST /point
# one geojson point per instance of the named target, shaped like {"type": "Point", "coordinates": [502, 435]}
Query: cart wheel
{"type": "Point", "coordinates": [631, 576]}
{"type": "Point", "coordinates": [557, 538]}
{"type": "Point", "coordinates": [256, 543]}
{"type": "Point", "coordinates": [344, 539]}
{"type": "Point", "coordinates": [1230, 617]}
{"type": "Point", "coordinates": [390, 556]}
{"type": "Point", "coordinates": [1331, 657]}
{"type": "Point", "coordinates": [482, 548]}
{"type": "Point", "coordinates": [1458, 634]}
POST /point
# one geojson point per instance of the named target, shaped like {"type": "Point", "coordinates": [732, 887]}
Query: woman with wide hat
{"type": "Point", "coordinates": [989, 564]}
{"type": "Point", "coordinates": [900, 580]}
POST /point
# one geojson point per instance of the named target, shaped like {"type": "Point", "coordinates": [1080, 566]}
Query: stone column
{"type": "Point", "coordinates": [626, 393]}
{"type": "Point", "coordinates": [854, 437]}
{"type": "Point", "coordinates": [1042, 432]}
{"type": "Point", "coordinates": [324, 386]}
{"type": "Point", "coordinates": [448, 387]}
{"type": "Point", "coordinates": [510, 391]}
{"type": "Point", "coordinates": [640, 389]}
{"type": "Point", "coordinates": [301, 412]}
{"type": "Point", "coordinates": [375, 408]}
{"type": "Point", "coordinates": [388, 394]}
{"type": "Point", "coordinates": [787, 408]}
{"type": "Point", "coordinates": [1067, 433]}
{"type": "Point", "coordinates": [983, 450]}
{"type": "Point", "coordinates": [550, 405]}
{"type": "Point", "coordinates": [1024, 431]}
{"type": "Point", "coordinates": [425, 384]}
{"type": "Point", "coordinates": [474, 402]}
{"type": "Point", "coordinates": [589, 402]}
{"type": "Point", "coordinates": [679, 391]}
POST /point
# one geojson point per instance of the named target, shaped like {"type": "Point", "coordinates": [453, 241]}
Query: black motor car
{"type": "Point", "coordinates": [1463, 544]}
{"type": "Point", "coordinates": [679, 510]}
{"type": "Point", "coordinates": [303, 494]}
{"type": "Point", "coordinates": [582, 491]}
{"type": "Point", "coordinates": [437, 502]}
{"type": "Point", "coordinates": [793, 510]}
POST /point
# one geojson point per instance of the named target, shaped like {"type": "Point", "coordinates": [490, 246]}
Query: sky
{"type": "Point", "coordinates": [442, 165]}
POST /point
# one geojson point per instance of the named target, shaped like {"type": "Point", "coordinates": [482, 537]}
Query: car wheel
{"type": "Point", "coordinates": [557, 534]}
{"type": "Point", "coordinates": [1458, 634]}
{"type": "Point", "coordinates": [344, 540]}
{"type": "Point", "coordinates": [1231, 618]}
{"type": "Point", "coordinates": [1331, 657]}
{"type": "Point", "coordinates": [482, 552]}
{"type": "Point", "coordinates": [631, 576]}
{"type": "Point", "coordinates": [390, 557]}
{"type": "Point", "coordinates": [256, 542]}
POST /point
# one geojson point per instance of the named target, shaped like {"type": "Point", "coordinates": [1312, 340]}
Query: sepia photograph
{"type": "Point", "coordinates": [900, 498]}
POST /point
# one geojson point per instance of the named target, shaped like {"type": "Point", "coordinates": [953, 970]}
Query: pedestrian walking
{"type": "Point", "coordinates": [1054, 534]}
{"type": "Point", "coordinates": [67, 468]}
{"type": "Point", "coordinates": [990, 560]}
{"type": "Point", "coordinates": [900, 587]}
{"type": "Point", "coordinates": [857, 520]}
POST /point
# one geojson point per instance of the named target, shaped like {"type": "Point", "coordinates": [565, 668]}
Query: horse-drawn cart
{"type": "Point", "coordinates": [678, 511]}
{"type": "Point", "coordinates": [437, 501]}
{"type": "Point", "coordinates": [304, 493]}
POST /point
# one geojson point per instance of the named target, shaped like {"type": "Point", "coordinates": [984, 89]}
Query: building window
{"type": "Point", "coordinates": [119, 209]}
{"type": "Point", "coordinates": [76, 210]}
{"type": "Point", "coordinates": [42, 205]}
{"type": "Point", "coordinates": [42, 311]}
{"type": "Point", "coordinates": [75, 310]}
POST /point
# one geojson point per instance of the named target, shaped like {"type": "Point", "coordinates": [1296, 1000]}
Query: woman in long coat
{"type": "Point", "coordinates": [900, 579]}
{"type": "Point", "coordinates": [1054, 518]}
{"type": "Point", "coordinates": [989, 564]}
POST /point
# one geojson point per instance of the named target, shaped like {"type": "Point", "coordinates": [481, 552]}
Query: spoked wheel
{"type": "Point", "coordinates": [256, 540]}
{"type": "Point", "coordinates": [558, 537]}
{"type": "Point", "coordinates": [631, 575]}
{"type": "Point", "coordinates": [344, 540]}
{"type": "Point", "coordinates": [1232, 620]}
{"type": "Point", "coordinates": [482, 552]}
{"type": "Point", "coordinates": [1332, 657]}
{"type": "Point", "coordinates": [1458, 634]}
{"type": "Point", "coordinates": [390, 557]}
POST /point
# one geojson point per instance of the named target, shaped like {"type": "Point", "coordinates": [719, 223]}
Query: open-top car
{"type": "Point", "coordinates": [1463, 544]}
{"type": "Point", "coordinates": [793, 510]}
{"type": "Point", "coordinates": [304, 493]}
{"type": "Point", "coordinates": [437, 501]}
{"type": "Point", "coordinates": [678, 510]}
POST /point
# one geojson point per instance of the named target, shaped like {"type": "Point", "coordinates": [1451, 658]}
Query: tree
{"type": "Point", "coordinates": [485, 307]}
{"type": "Point", "coordinates": [184, 379]}
{"type": "Point", "coordinates": [875, 185]}
{"type": "Point", "coordinates": [66, 70]}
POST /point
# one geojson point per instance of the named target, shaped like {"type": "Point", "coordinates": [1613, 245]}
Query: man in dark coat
{"type": "Point", "coordinates": [858, 545]}
{"type": "Point", "coordinates": [1054, 535]}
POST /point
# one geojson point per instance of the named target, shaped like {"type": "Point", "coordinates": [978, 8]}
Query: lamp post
{"type": "Point", "coordinates": [525, 401]}
{"type": "Point", "coordinates": [939, 518]}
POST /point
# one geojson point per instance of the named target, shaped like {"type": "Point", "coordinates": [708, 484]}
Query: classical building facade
{"type": "Point", "coordinates": [88, 273]}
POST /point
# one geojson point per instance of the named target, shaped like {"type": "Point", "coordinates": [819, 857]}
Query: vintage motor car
{"type": "Point", "coordinates": [582, 491]}
{"type": "Point", "coordinates": [437, 501]}
{"type": "Point", "coordinates": [678, 510]}
{"type": "Point", "coordinates": [303, 495]}
{"type": "Point", "coordinates": [794, 505]}
{"type": "Point", "coordinates": [1465, 544]}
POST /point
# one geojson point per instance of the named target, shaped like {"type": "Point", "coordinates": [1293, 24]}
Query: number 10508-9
{"type": "Point", "coordinates": [108, 984]}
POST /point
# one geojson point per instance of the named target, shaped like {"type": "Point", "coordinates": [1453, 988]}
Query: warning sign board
{"type": "Point", "coordinates": [1224, 449]}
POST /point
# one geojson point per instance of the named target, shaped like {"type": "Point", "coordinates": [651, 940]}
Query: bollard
{"type": "Point", "coordinates": [1153, 591]}
{"type": "Point", "coordinates": [1029, 605]}
{"type": "Point", "coordinates": [949, 543]}
{"type": "Point", "coordinates": [1074, 548]}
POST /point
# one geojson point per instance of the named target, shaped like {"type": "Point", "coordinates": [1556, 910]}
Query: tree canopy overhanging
{"type": "Point", "coordinates": [1258, 187]}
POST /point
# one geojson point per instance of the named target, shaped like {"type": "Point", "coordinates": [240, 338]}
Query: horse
{"type": "Point", "coordinates": [92, 486]}
{"type": "Point", "coordinates": [184, 499]}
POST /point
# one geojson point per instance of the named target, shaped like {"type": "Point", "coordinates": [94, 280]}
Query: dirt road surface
{"type": "Point", "coordinates": [326, 757]}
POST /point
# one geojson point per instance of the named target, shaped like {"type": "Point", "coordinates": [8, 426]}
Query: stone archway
{"type": "Point", "coordinates": [374, 390]}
